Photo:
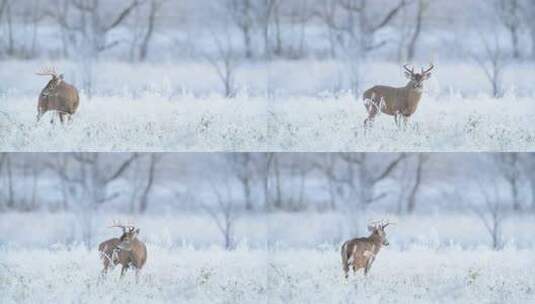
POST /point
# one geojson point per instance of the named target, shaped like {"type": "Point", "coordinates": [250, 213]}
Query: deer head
{"type": "Point", "coordinates": [129, 234]}
{"type": "Point", "coordinates": [377, 228]}
{"type": "Point", "coordinates": [417, 79]}
{"type": "Point", "coordinates": [54, 82]}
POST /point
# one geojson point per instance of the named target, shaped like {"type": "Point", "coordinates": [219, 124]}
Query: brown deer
{"type": "Point", "coordinates": [398, 102]}
{"type": "Point", "coordinates": [361, 252]}
{"type": "Point", "coordinates": [126, 250]}
{"type": "Point", "coordinates": [57, 95]}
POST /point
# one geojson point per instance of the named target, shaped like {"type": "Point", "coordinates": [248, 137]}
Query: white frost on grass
{"type": "Point", "coordinates": [172, 275]}
{"type": "Point", "coordinates": [149, 123]}
{"type": "Point", "coordinates": [282, 106]}
{"type": "Point", "coordinates": [448, 123]}
{"type": "Point", "coordinates": [154, 122]}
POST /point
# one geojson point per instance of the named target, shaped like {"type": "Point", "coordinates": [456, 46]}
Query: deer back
{"type": "Point", "coordinates": [138, 253]}
{"type": "Point", "coordinates": [358, 251]}
{"type": "Point", "coordinates": [106, 248]}
{"type": "Point", "coordinates": [63, 97]}
{"type": "Point", "coordinates": [135, 254]}
{"type": "Point", "coordinates": [390, 100]}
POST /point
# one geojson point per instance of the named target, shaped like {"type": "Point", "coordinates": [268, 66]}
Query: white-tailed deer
{"type": "Point", "coordinates": [361, 252]}
{"type": "Point", "coordinates": [398, 102]}
{"type": "Point", "coordinates": [57, 95]}
{"type": "Point", "coordinates": [126, 250]}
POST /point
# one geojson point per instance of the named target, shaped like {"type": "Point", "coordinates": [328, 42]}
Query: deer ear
{"type": "Point", "coordinates": [370, 228]}
{"type": "Point", "coordinates": [428, 75]}
{"type": "Point", "coordinates": [137, 231]}
{"type": "Point", "coordinates": [408, 75]}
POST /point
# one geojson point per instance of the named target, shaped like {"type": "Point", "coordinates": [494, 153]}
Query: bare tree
{"type": "Point", "coordinates": [422, 7]}
{"type": "Point", "coordinates": [362, 175]}
{"type": "Point", "coordinates": [264, 12]}
{"type": "Point", "coordinates": [89, 175]}
{"type": "Point", "coordinates": [154, 158]}
{"type": "Point", "coordinates": [223, 212]}
{"type": "Point", "coordinates": [529, 170]}
{"type": "Point", "coordinates": [508, 164]}
{"type": "Point", "coordinates": [528, 10]}
{"type": "Point", "coordinates": [6, 171]}
{"type": "Point", "coordinates": [225, 62]}
{"type": "Point", "coordinates": [242, 15]}
{"type": "Point", "coordinates": [491, 212]}
{"type": "Point", "coordinates": [509, 14]}
{"type": "Point", "coordinates": [7, 11]}
{"type": "Point", "coordinates": [155, 6]}
{"type": "Point", "coordinates": [242, 167]}
{"type": "Point", "coordinates": [360, 26]}
{"type": "Point", "coordinates": [293, 171]}
{"type": "Point", "coordinates": [87, 25]}
{"type": "Point", "coordinates": [421, 159]}
{"type": "Point", "coordinates": [492, 62]}
{"type": "Point", "coordinates": [326, 12]}
{"type": "Point", "coordinates": [263, 169]}
{"type": "Point", "coordinates": [327, 165]}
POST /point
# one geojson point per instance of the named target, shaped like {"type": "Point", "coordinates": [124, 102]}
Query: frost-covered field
{"type": "Point", "coordinates": [150, 123]}
{"type": "Point", "coordinates": [171, 275]}
{"type": "Point", "coordinates": [186, 123]}
{"type": "Point", "coordinates": [281, 106]}
{"type": "Point", "coordinates": [432, 259]}
{"type": "Point", "coordinates": [450, 123]}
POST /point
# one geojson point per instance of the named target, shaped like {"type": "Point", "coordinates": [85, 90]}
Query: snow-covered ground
{"type": "Point", "coordinates": [332, 123]}
{"type": "Point", "coordinates": [281, 106]}
{"type": "Point", "coordinates": [432, 259]}
{"type": "Point", "coordinates": [171, 275]}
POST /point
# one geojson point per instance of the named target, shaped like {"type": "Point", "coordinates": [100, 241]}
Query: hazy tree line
{"type": "Point", "coordinates": [226, 186]}
{"type": "Point", "coordinates": [267, 28]}
{"type": "Point", "coordinates": [260, 181]}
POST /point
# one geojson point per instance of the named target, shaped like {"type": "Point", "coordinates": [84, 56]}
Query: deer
{"type": "Point", "coordinates": [126, 250]}
{"type": "Point", "coordinates": [57, 96]}
{"type": "Point", "coordinates": [398, 102]}
{"type": "Point", "coordinates": [360, 253]}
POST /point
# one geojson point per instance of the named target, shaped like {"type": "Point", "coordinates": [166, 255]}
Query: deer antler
{"type": "Point", "coordinates": [406, 67]}
{"type": "Point", "coordinates": [48, 71]}
{"type": "Point", "coordinates": [379, 223]}
{"type": "Point", "coordinates": [117, 224]}
{"type": "Point", "coordinates": [431, 66]}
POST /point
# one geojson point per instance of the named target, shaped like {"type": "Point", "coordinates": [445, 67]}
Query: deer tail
{"type": "Point", "coordinates": [345, 257]}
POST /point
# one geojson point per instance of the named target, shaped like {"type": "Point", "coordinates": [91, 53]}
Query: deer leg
{"type": "Point", "coordinates": [405, 121]}
{"type": "Point", "coordinates": [137, 274]}
{"type": "Point", "coordinates": [372, 111]}
{"type": "Point", "coordinates": [346, 269]}
{"type": "Point", "coordinates": [368, 265]}
{"type": "Point", "coordinates": [123, 270]}
{"type": "Point", "coordinates": [39, 114]}
{"type": "Point", "coordinates": [397, 119]}
{"type": "Point", "coordinates": [61, 117]}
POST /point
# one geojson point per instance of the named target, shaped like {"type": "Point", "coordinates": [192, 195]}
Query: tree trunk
{"type": "Point", "coordinates": [411, 202]}
{"type": "Point", "coordinates": [11, 195]}
{"type": "Point", "coordinates": [11, 42]}
{"type": "Point", "coordinates": [144, 201]}
{"type": "Point", "coordinates": [247, 194]}
{"type": "Point", "coordinates": [278, 198]}
{"type": "Point", "coordinates": [514, 41]}
{"type": "Point", "coordinates": [514, 192]}
{"type": "Point", "coordinates": [154, 6]}
{"type": "Point", "coordinates": [422, 6]}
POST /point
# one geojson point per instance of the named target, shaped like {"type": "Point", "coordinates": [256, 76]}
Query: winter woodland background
{"type": "Point", "coordinates": [257, 75]}
{"type": "Point", "coordinates": [268, 226]}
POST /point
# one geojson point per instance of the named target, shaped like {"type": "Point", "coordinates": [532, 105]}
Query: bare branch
{"type": "Point", "coordinates": [122, 15]}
